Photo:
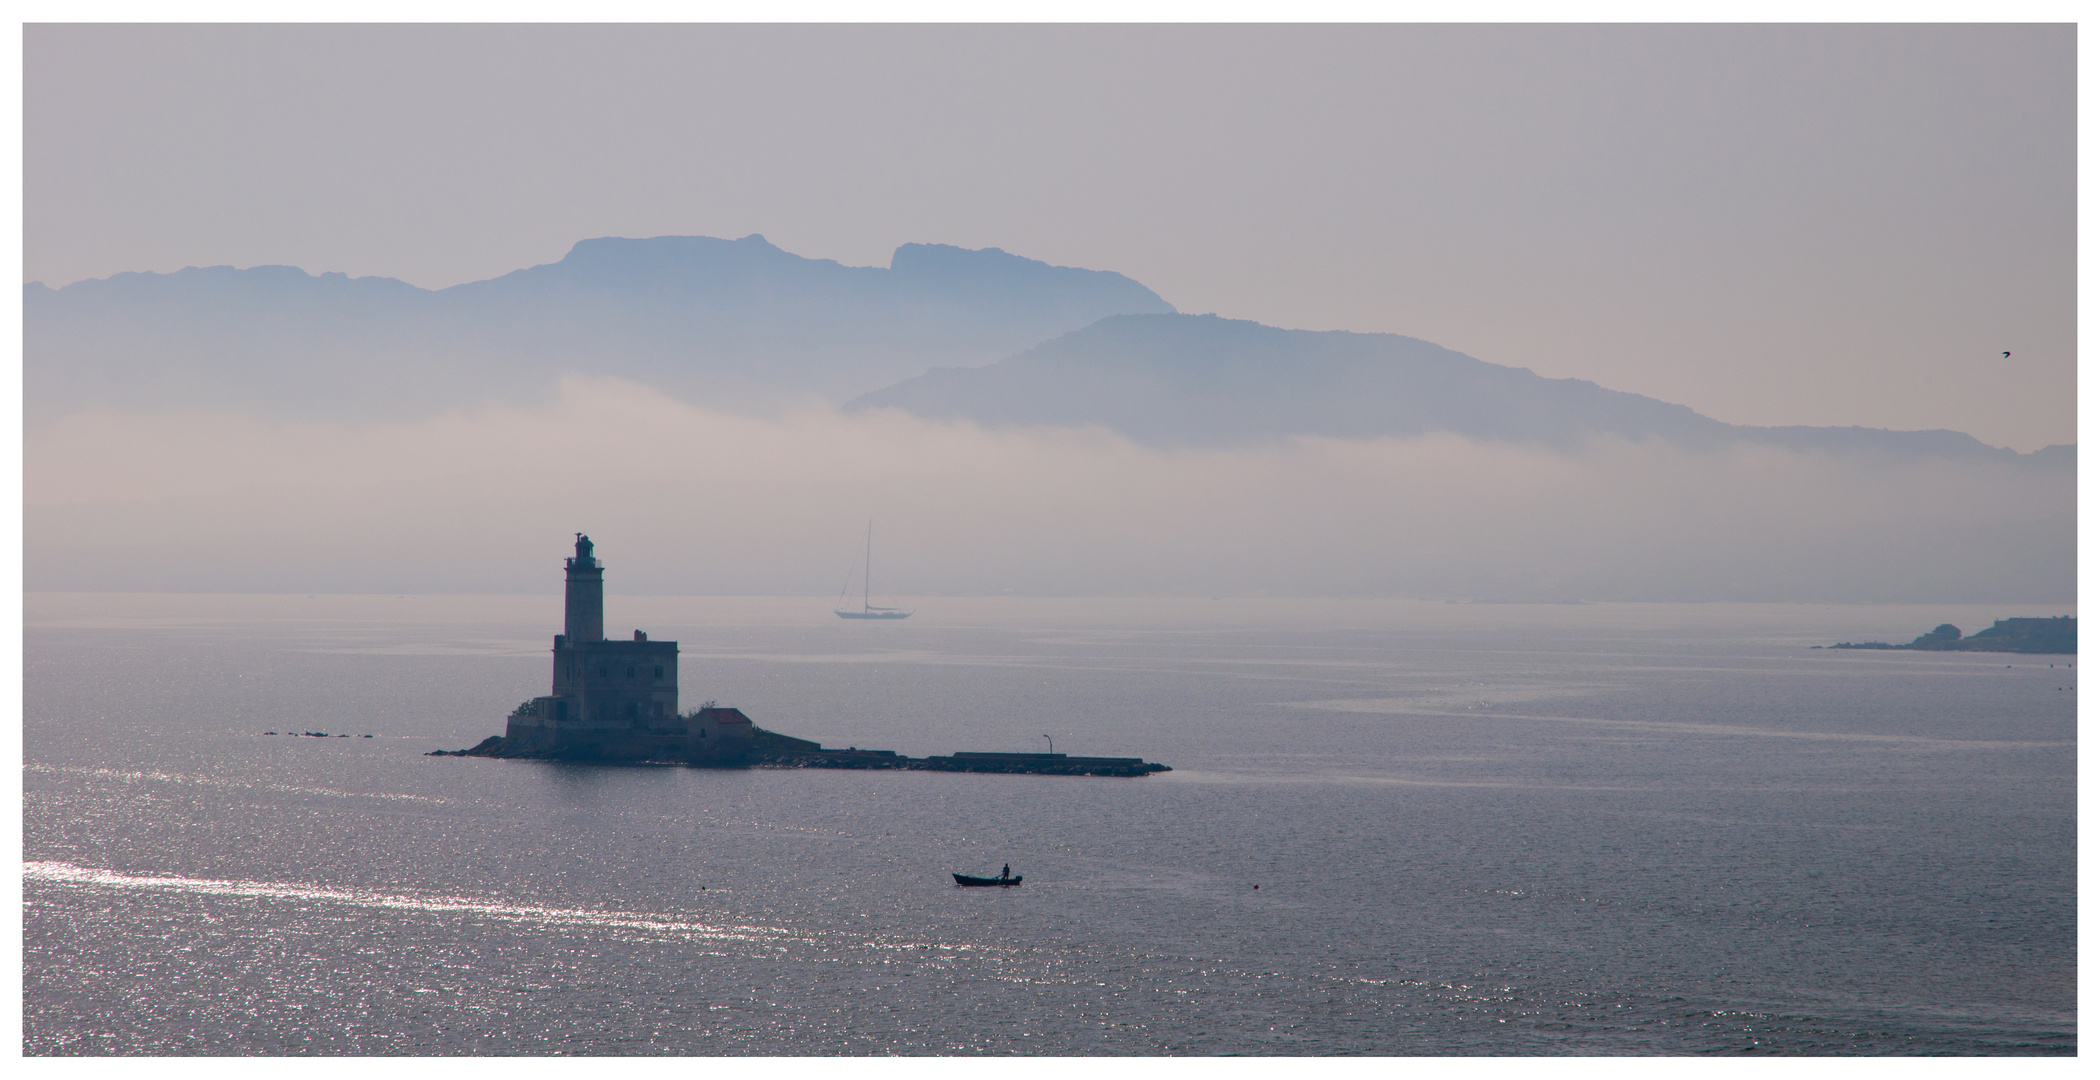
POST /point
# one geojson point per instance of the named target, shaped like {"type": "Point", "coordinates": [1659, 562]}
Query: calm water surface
{"type": "Point", "coordinates": [1474, 829]}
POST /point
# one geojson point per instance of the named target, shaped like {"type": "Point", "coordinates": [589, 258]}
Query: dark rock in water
{"type": "Point", "coordinates": [493, 746]}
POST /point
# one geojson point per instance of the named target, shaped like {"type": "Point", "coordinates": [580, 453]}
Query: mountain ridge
{"type": "Point", "coordinates": [727, 321]}
{"type": "Point", "coordinates": [942, 331]}
{"type": "Point", "coordinates": [1205, 380]}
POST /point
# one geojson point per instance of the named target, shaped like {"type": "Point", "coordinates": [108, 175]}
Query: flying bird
{"type": "Point", "coordinates": [2008, 356]}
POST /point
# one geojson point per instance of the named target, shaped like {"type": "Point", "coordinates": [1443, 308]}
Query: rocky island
{"type": "Point", "coordinates": [617, 701]}
{"type": "Point", "coordinates": [770, 749]}
{"type": "Point", "coordinates": [2051, 636]}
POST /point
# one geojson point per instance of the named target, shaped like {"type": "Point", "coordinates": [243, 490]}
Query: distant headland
{"type": "Point", "coordinates": [2052, 635]}
{"type": "Point", "coordinates": [617, 701]}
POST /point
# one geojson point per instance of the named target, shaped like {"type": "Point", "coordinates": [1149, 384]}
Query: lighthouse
{"type": "Point", "coordinates": [608, 698]}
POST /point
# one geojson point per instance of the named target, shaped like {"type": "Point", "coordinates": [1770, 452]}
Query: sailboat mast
{"type": "Point", "coordinates": [869, 567]}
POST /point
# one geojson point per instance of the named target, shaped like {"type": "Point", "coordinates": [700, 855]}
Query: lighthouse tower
{"type": "Point", "coordinates": [584, 609]}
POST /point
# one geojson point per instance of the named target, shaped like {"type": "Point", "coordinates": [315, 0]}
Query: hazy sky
{"type": "Point", "coordinates": [1817, 225]}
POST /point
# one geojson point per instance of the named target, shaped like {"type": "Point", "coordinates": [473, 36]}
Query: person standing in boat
{"type": "Point", "coordinates": [1006, 871]}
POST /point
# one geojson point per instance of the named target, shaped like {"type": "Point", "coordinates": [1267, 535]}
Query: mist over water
{"type": "Point", "coordinates": [1489, 829]}
{"type": "Point", "coordinates": [685, 499]}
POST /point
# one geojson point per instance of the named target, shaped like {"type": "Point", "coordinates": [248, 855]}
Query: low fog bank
{"type": "Point", "coordinates": [684, 500]}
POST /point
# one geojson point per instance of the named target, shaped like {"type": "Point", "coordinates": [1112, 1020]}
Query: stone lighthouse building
{"type": "Point", "coordinates": [610, 698]}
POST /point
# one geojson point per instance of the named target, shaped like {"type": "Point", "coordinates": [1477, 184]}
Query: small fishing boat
{"type": "Point", "coordinates": [981, 882]}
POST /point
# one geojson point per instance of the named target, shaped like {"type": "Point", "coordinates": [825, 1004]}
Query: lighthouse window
{"type": "Point", "coordinates": [630, 673]}
{"type": "Point", "coordinates": [601, 671]}
{"type": "Point", "coordinates": [659, 671]}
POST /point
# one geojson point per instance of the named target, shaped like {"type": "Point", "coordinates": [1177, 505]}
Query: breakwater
{"type": "Point", "coordinates": [1040, 764]}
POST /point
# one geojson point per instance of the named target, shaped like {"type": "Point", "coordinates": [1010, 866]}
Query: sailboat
{"type": "Point", "coordinates": [867, 610]}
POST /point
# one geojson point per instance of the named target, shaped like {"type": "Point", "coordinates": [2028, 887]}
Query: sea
{"type": "Point", "coordinates": [1392, 827]}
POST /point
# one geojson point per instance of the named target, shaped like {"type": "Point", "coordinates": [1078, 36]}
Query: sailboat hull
{"type": "Point", "coordinates": [872, 614]}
